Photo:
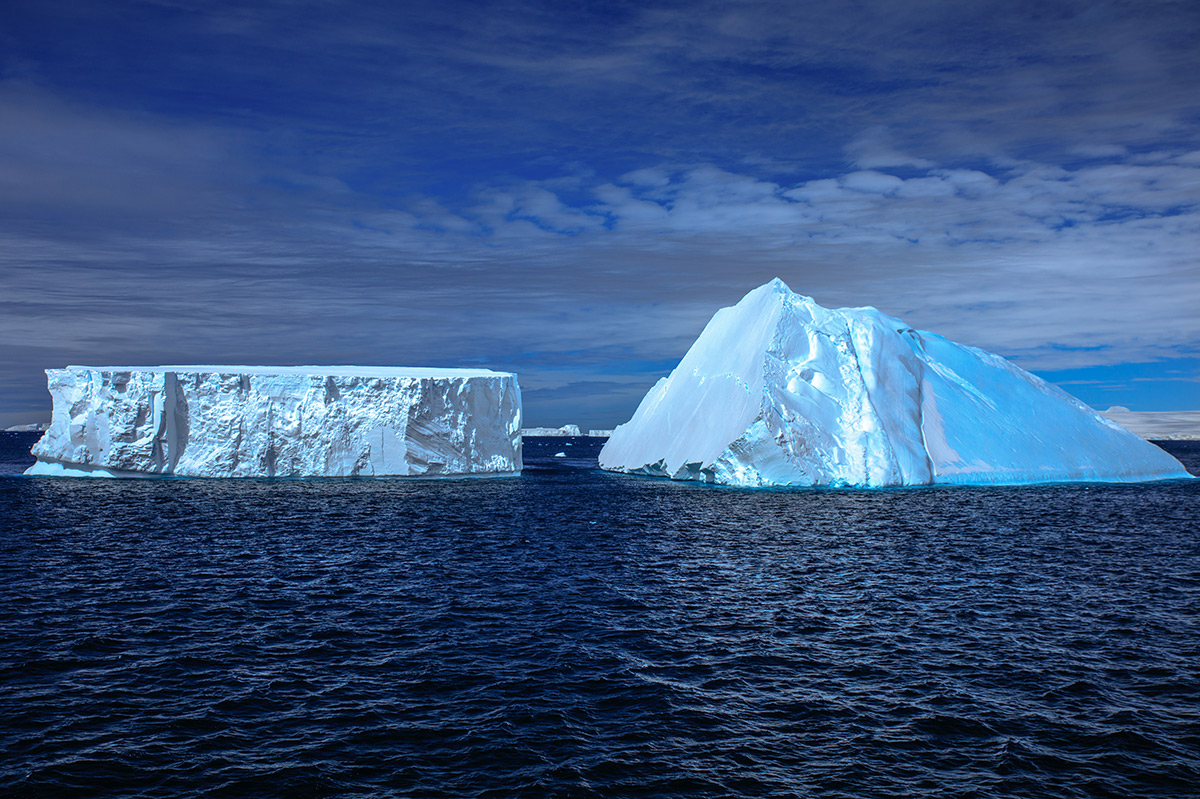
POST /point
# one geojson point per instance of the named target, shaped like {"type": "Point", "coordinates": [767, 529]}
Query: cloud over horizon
{"type": "Point", "coordinates": [571, 195]}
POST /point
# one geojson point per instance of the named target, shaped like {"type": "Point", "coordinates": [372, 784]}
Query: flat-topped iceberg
{"type": "Point", "coordinates": [280, 421]}
{"type": "Point", "coordinates": [780, 391]}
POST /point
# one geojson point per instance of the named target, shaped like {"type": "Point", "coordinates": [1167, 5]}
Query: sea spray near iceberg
{"type": "Point", "coordinates": [778, 390]}
{"type": "Point", "coordinates": [265, 421]}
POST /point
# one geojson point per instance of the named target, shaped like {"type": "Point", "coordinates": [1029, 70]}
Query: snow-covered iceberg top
{"type": "Point", "coordinates": [280, 421]}
{"type": "Point", "coordinates": [432, 372]}
{"type": "Point", "coordinates": [780, 391]}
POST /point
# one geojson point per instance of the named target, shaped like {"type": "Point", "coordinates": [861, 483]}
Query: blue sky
{"type": "Point", "coordinates": [570, 190]}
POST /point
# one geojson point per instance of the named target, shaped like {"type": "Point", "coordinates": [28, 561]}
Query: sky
{"type": "Point", "coordinates": [570, 190]}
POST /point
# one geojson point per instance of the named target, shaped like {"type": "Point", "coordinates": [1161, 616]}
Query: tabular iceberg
{"type": "Point", "coordinates": [780, 391]}
{"type": "Point", "coordinates": [266, 421]}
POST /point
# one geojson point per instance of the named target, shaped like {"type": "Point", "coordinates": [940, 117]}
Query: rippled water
{"type": "Point", "coordinates": [574, 633]}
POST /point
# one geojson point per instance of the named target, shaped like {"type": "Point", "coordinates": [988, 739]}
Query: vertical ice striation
{"type": "Point", "coordinates": [778, 390]}
{"type": "Point", "coordinates": [259, 421]}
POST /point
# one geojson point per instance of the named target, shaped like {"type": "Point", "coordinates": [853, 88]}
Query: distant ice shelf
{"type": "Point", "coordinates": [32, 427]}
{"type": "Point", "coordinates": [1160, 425]}
{"type": "Point", "coordinates": [553, 432]}
{"type": "Point", "coordinates": [778, 391]}
{"type": "Point", "coordinates": [280, 421]}
{"type": "Point", "coordinates": [566, 431]}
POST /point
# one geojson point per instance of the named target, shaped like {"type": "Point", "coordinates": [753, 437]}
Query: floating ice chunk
{"type": "Point", "coordinates": [780, 391]}
{"type": "Point", "coordinates": [565, 430]}
{"type": "Point", "coordinates": [269, 421]}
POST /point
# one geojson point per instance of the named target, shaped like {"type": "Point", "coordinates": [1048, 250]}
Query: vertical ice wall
{"type": "Point", "coordinates": [242, 421]}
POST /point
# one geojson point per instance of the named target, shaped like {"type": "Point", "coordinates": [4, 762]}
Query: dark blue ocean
{"type": "Point", "coordinates": [573, 633]}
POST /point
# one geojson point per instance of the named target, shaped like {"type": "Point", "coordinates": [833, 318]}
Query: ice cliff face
{"type": "Point", "coordinates": [244, 421]}
{"type": "Point", "coordinates": [780, 391]}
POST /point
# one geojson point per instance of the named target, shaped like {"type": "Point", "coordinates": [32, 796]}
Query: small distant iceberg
{"type": "Point", "coordinates": [553, 432]}
{"type": "Point", "coordinates": [33, 427]}
{"type": "Point", "coordinates": [280, 421]}
{"type": "Point", "coordinates": [1158, 425]}
{"type": "Point", "coordinates": [566, 431]}
{"type": "Point", "coordinates": [779, 391]}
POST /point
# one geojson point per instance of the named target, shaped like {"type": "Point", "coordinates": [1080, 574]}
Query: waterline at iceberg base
{"type": "Point", "coordinates": [268, 421]}
{"type": "Point", "coordinates": [780, 391]}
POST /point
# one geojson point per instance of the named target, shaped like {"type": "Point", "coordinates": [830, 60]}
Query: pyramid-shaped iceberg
{"type": "Point", "coordinates": [778, 390]}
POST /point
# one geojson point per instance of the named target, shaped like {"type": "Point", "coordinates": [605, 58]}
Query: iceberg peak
{"type": "Point", "coordinates": [778, 390]}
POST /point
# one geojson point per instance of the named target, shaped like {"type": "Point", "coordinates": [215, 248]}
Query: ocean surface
{"type": "Point", "coordinates": [573, 633]}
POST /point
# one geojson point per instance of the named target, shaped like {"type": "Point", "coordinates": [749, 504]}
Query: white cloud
{"type": "Point", "coordinates": [506, 211]}
{"type": "Point", "coordinates": [870, 182]}
{"type": "Point", "coordinates": [1099, 150]}
{"type": "Point", "coordinates": [874, 149]}
{"type": "Point", "coordinates": [1060, 268]}
{"type": "Point", "coordinates": [630, 211]}
{"type": "Point", "coordinates": [649, 178]}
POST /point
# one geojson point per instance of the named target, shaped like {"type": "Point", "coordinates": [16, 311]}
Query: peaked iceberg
{"type": "Point", "coordinates": [778, 390]}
